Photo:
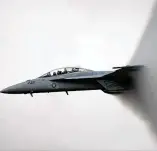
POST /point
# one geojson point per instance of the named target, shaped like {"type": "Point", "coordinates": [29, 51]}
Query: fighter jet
{"type": "Point", "coordinates": [78, 79]}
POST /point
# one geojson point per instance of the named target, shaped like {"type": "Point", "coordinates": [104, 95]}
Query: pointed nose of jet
{"type": "Point", "coordinates": [5, 90]}
{"type": "Point", "coordinates": [8, 90]}
{"type": "Point", "coordinates": [15, 89]}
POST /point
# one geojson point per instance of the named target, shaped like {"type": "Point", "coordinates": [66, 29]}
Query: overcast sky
{"type": "Point", "coordinates": [37, 36]}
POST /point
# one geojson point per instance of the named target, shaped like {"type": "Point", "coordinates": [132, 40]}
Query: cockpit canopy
{"type": "Point", "coordinates": [65, 70]}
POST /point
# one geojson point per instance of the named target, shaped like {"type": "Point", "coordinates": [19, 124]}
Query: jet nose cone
{"type": "Point", "coordinates": [12, 89]}
{"type": "Point", "coordinates": [2, 91]}
{"type": "Point", "coordinates": [6, 90]}
{"type": "Point", "coordinates": [16, 89]}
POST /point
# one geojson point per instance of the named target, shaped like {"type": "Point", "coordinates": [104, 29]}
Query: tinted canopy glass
{"type": "Point", "coordinates": [64, 70]}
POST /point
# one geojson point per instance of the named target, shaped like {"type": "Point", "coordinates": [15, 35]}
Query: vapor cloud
{"type": "Point", "coordinates": [37, 36]}
{"type": "Point", "coordinates": [143, 100]}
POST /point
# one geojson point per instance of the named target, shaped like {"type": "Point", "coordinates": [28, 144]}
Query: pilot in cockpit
{"type": "Point", "coordinates": [48, 74]}
{"type": "Point", "coordinates": [59, 72]}
{"type": "Point", "coordinates": [65, 71]}
{"type": "Point", "coordinates": [54, 73]}
{"type": "Point", "coordinates": [74, 69]}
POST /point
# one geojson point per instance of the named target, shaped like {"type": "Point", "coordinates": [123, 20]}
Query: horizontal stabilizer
{"type": "Point", "coordinates": [133, 68]}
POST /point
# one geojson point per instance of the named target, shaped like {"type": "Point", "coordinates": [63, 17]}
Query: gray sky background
{"type": "Point", "coordinates": [37, 36]}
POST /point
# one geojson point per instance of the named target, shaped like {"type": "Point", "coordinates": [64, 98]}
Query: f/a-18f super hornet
{"type": "Point", "coordinates": [78, 79]}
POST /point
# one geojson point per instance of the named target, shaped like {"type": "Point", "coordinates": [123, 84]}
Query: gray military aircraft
{"type": "Point", "coordinates": [78, 79]}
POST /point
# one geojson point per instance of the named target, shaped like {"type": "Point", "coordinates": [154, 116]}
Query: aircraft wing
{"type": "Point", "coordinates": [124, 71]}
{"type": "Point", "coordinates": [130, 68]}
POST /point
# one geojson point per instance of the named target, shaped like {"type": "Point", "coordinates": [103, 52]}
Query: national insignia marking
{"type": "Point", "coordinates": [53, 85]}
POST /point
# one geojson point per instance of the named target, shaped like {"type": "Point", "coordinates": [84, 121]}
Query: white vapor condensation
{"type": "Point", "coordinates": [37, 36]}
{"type": "Point", "coordinates": [143, 101]}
